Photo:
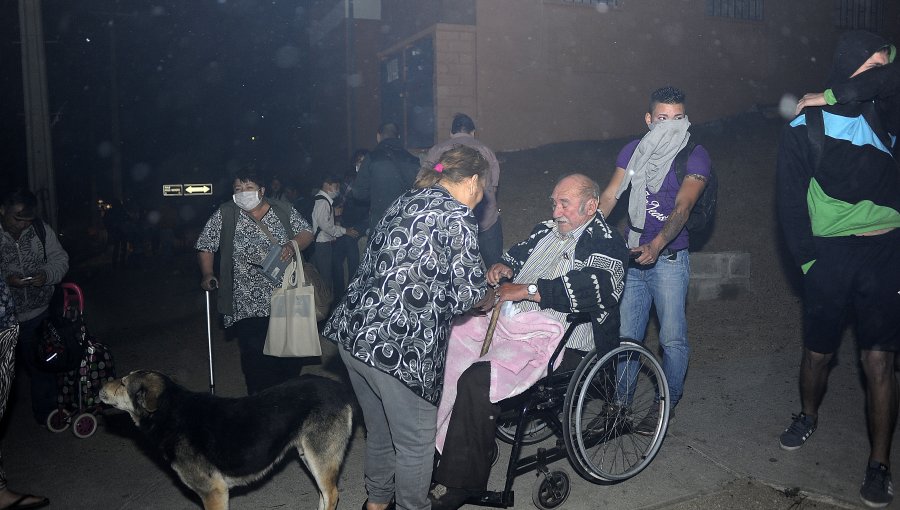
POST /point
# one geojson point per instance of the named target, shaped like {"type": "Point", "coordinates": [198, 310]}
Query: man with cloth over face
{"type": "Point", "coordinates": [658, 209]}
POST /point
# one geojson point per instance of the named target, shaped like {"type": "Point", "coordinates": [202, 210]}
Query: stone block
{"type": "Point", "coordinates": [739, 265]}
{"type": "Point", "coordinates": [722, 275]}
{"type": "Point", "coordinates": [708, 265]}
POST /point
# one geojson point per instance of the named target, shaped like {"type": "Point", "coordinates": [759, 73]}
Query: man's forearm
{"type": "Point", "coordinates": [671, 228]}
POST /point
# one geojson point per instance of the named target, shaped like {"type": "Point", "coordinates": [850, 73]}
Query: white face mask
{"type": "Point", "coordinates": [247, 200]}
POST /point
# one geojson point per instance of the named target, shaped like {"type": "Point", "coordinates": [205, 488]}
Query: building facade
{"type": "Point", "coordinates": [534, 72]}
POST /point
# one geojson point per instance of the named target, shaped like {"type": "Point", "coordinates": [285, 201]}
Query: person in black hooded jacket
{"type": "Point", "coordinates": [386, 173]}
{"type": "Point", "coordinates": [839, 205]}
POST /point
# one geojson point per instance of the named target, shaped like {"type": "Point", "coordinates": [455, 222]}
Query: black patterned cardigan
{"type": "Point", "coordinates": [594, 286]}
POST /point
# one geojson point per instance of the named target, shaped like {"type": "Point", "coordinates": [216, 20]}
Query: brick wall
{"type": "Point", "coordinates": [455, 78]}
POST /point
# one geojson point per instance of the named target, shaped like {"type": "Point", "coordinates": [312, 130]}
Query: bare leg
{"type": "Point", "coordinates": [813, 380]}
{"type": "Point", "coordinates": [881, 402]}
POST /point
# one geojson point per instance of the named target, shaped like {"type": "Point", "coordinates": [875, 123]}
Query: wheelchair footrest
{"type": "Point", "coordinates": [494, 499]}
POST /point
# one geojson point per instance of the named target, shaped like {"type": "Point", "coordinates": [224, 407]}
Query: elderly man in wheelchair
{"type": "Point", "coordinates": [592, 389]}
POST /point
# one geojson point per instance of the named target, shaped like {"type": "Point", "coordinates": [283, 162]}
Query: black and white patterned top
{"type": "Point", "coordinates": [422, 268]}
{"type": "Point", "coordinates": [252, 291]}
{"type": "Point", "coordinates": [7, 307]}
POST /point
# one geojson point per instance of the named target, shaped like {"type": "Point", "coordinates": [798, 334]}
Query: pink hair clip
{"type": "Point", "coordinates": [439, 168]}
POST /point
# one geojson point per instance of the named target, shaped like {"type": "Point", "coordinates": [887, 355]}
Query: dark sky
{"type": "Point", "coordinates": [203, 86]}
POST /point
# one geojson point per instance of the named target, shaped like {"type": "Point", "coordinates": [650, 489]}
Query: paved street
{"type": "Point", "coordinates": [721, 452]}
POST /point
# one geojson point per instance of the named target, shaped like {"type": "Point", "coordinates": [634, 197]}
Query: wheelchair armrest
{"type": "Point", "coordinates": [577, 318]}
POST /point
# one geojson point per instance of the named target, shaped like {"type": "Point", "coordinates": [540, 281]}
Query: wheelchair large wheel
{"type": "Point", "coordinates": [616, 413]}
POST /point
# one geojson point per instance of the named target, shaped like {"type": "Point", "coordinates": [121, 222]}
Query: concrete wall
{"type": "Point", "coordinates": [551, 71]}
{"type": "Point", "coordinates": [533, 72]}
{"type": "Point", "coordinates": [402, 19]}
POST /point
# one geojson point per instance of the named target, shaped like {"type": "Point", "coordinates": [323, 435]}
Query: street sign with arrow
{"type": "Point", "coordinates": [198, 189]}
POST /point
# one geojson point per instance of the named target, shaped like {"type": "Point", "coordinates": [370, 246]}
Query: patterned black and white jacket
{"type": "Point", "coordinates": [25, 256]}
{"type": "Point", "coordinates": [594, 286]}
{"type": "Point", "coordinates": [421, 269]}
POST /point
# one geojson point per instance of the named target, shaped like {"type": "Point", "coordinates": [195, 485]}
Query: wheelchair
{"type": "Point", "coordinates": [593, 413]}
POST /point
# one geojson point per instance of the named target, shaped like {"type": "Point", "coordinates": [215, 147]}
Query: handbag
{"type": "Point", "coordinates": [293, 332]}
{"type": "Point", "coordinates": [324, 295]}
{"type": "Point", "coordinates": [60, 344]}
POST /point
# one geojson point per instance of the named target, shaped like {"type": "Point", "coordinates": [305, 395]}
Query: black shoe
{"type": "Point", "coordinates": [447, 498]}
{"type": "Point", "coordinates": [391, 505]}
{"type": "Point", "coordinates": [795, 436]}
{"type": "Point", "coordinates": [877, 491]}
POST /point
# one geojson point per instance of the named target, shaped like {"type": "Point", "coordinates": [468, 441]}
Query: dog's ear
{"type": "Point", "coordinates": [147, 399]}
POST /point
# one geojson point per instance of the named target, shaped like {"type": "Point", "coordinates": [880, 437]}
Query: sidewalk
{"type": "Point", "coordinates": [722, 452]}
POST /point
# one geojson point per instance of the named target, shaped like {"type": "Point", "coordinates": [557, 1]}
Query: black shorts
{"type": "Point", "coordinates": [861, 273]}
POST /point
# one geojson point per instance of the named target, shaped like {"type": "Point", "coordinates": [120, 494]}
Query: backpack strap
{"type": "Point", "coordinates": [681, 160]}
{"type": "Point", "coordinates": [815, 131]}
{"type": "Point", "coordinates": [41, 231]}
{"type": "Point", "coordinates": [318, 228]}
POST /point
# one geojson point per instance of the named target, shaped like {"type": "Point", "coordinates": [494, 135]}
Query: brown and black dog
{"type": "Point", "coordinates": [216, 443]}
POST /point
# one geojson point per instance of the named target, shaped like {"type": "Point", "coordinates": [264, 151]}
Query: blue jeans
{"type": "Point", "coordinates": [665, 285]}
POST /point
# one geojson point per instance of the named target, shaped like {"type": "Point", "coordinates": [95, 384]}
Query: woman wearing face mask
{"type": "Point", "coordinates": [422, 268]}
{"type": "Point", "coordinates": [243, 230]}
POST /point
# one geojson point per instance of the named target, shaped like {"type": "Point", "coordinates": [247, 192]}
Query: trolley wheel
{"type": "Point", "coordinates": [536, 432]}
{"type": "Point", "coordinates": [551, 490]}
{"type": "Point", "coordinates": [495, 453]}
{"type": "Point", "coordinates": [57, 421]}
{"type": "Point", "coordinates": [84, 425]}
{"type": "Point", "coordinates": [616, 413]}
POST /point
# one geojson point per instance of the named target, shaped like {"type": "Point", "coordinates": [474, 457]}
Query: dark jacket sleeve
{"type": "Point", "coordinates": [878, 83]}
{"type": "Point", "coordinates": [518, 253]}
{"type": "Point", "coordinates": [793, 174]}
{"type": "Point", "coordinates": [362, 186]}
{"type": "Point", "coordinates": [881, 84]}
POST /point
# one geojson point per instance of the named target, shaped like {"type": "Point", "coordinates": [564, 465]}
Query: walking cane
{"type": "Point", "coordinates": [490, 331]}
{"type": "Point", "coordinates": [212, 382]}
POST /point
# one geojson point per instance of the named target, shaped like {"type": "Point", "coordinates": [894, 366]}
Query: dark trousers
{"type": "Point", "coordinates": [490, 242]}
{"type": "Point", "coordinates": [466, 459]}
{"type": "Point", "coordinates": [260, 370]}
{"type": "Point", "coordinates": [345, 248]}
{"type": "Point", "coordinates": [44, 390]}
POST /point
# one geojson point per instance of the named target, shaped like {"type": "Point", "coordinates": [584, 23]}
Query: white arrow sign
{"type": "Point", "coordinates": [198, 189]}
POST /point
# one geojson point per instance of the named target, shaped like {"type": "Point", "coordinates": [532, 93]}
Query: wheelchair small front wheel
{"type": "Point", "coordinates": [616, 413]}
{"type": "Point", "coordinates": [551, 490]}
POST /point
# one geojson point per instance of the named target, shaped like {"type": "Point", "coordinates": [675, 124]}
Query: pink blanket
{"type": "Point", "coordinates": [519, 352]}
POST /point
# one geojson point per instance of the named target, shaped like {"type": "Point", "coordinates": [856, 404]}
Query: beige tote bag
{"type": "Point", "coordinates": [292, 320]}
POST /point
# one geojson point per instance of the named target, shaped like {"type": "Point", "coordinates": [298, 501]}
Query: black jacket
{"type": "Point", "coordinates": [386, 173]}
{"type": "Point", "coordinates": [853, 185]}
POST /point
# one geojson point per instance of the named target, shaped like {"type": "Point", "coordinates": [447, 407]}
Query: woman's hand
{"type": "Point", "coordinates": [287, 252]}
{"type": "Point", "coordinates": [810, 99]}
{"type": "Point", "coordinates": [38, 279]}
{"type": "Point", "coordinates": [209, 282]}
{"type": "Point", "coordinates": [497, 272]}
